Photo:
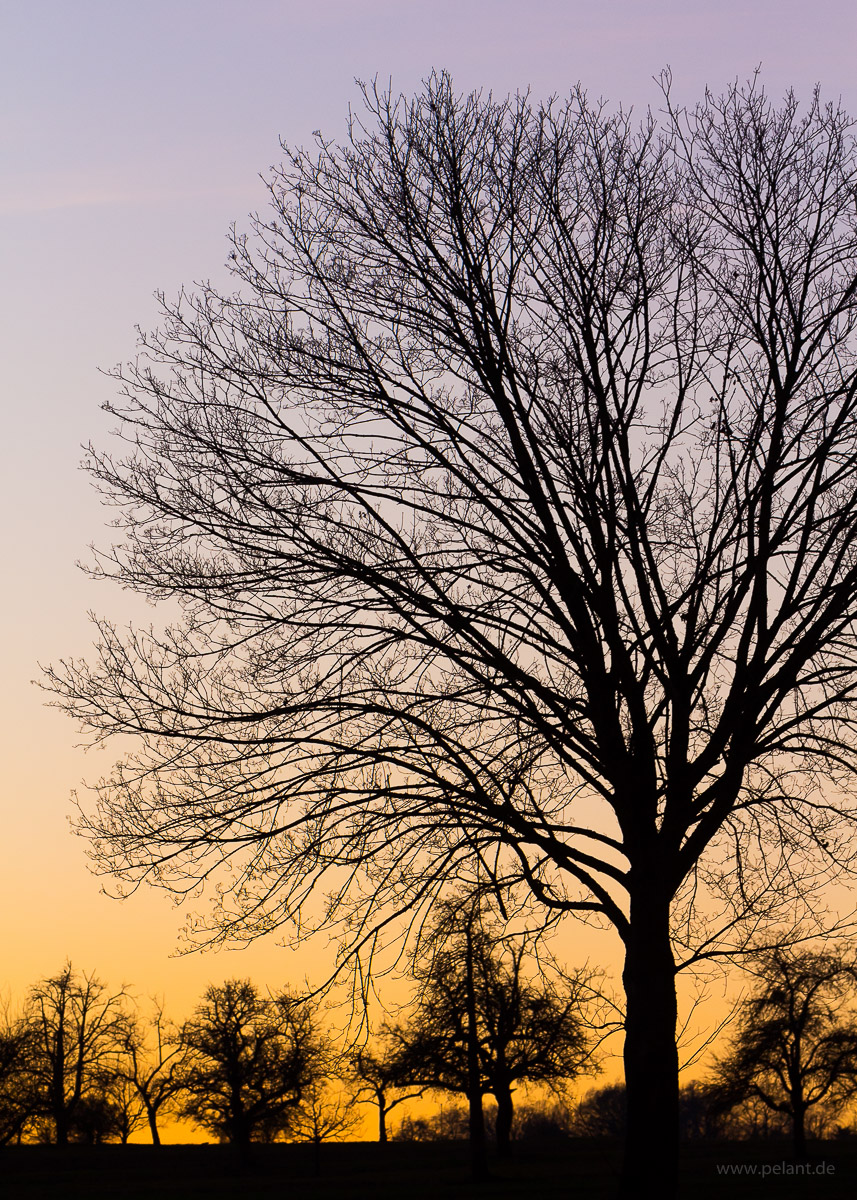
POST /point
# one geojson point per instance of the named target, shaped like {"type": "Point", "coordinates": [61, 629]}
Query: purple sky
{"type": "Point", "coordinates": [131, 135]}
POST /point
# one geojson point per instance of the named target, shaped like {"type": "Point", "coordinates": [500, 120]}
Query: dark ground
{"type": "Point", "coordinates": [583, 1170]}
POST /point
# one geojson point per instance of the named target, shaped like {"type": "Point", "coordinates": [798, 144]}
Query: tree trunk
{"type": "Point", "coordinates": [799, 1131]}
{"type": "Point", "coordinates": [505, 1117]}
{"type": "Point", "coordinates": [152, 1115]}
{"type": "Point", "coordinates": [478, 1155]}
{"type": "Point", "coordinates": [382, 1122]}
{"type": "Point", "coordinates": [650, 1164]}
{"type": "Point", "coordinates": [61, 1124]}
{"type": "Point", "coordinates": [241, 1143]}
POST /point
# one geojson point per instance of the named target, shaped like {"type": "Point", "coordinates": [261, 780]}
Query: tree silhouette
{"type": "Point", "coordinates": [508, 499]}
{"type": "Point", "coordinates": [484, 1023]}
{"type": "Point", "coordinates": [326, 1113]}
{"type": "Point", "coordinates": [18, 1099]}
{"type": "Point", "coordinates": [110, 1114]}
{"type": "Point", "coordinates": [77, 1029]}
{"type": "Point", "coordinates": [153, 1065]}
{"type": "Point", "coordinates": [451, 1123]}
{"type": "Point", "coordinates": [698, 1114]}
{"type": "Point", "coordinates": [603, 1112]}
{"type": "Point", "coordinates": [796, 1045]}
{"type": "Point", "coordinates": [375, 1074]}
{"type": "Point", "coordinates": [543, 1120]}
{"type": "Point", "coordinates": [249, 1062]}
{"type": "Point", "coordinates": [126, 1105]}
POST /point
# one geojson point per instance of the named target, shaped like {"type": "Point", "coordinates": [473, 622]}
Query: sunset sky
{"type": "Point", "coordinates": [132, 135]}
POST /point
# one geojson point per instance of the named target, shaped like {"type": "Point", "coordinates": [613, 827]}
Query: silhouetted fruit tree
{"type": "Point", "coordinates": [488, 1018]}
{"type": "Point", "coordinates": [374, 1073]}
{"type": "Point", "coordinates": [152, 1066]}
{"type": "Point", "coordinates": [18, 1097]}
{"type": "Point", "coordinates": [77, 1029]}
{"type": "Point", "coordinates": [796, 1044]}
{"type": "Point", "coordinates": [249, 1061]}
{"type": "Point", "coordinates": [507, 500]}
{"type": "Point", "coordinates": [603, 1112]}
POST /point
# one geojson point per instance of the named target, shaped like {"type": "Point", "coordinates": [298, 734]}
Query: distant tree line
{"type": "Point", "coordinates": [81, 1064]}
{"type": "Point", "coordinates": [490, 1016]}
{"type": "Point", "coordinates": [789, 1071]}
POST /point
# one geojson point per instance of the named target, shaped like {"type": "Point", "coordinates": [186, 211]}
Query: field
{"type": "Point", "coordinates": [582, 1170]}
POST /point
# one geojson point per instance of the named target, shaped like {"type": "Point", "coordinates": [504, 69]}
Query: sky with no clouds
{"type": "Point", "coordinates": [131, 135]}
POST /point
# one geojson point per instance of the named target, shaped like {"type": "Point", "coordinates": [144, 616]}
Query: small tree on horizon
{"type": "Point", "coordinates": [795, 1048]}
{"type": "Point", "coordinates": [153, 1065]}
{"type": "Point", "coordinates": [375, 1076]}
{"type": "Point", "coordinates": [326, 1113]}
{"type": "Point", "coordinates": [486, 1020]}
{"type": "Point", "coordinates": [249, 1062]}
{"type": "Point", "coordinates": [602, 1112]}
{"type": "Point", "coordinates": [77, 1029]}
{"type": "Point", "coordinates": [450, 1123]}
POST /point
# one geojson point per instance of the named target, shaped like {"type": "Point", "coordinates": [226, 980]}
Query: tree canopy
{"type": "Point", "coordinates": [76, 1029]}
{"type": "Point", "coordinates": [249, 1061]}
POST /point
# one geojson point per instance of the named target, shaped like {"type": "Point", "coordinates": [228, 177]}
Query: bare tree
{"type": "Point", "coordinates": [440, 1047]}
{"type": "Point", "coordinates": [126, 1104]}
{"type": "Point", "coordinates": [110, 1114]}
{"type": "Point", "coordinates": [485, 1021]}
{"type": "Point", "coordinates": [326, 1113]}
{"type": "Point", "coordinates": [543, 1120]}
{"type": "Point", "coordinates": [451, 1123]}
{"type": "Point", "coordinates": [153, 1066]}
{"type": "Point", "coordinates": [751, 1119]}
{"type": "Point", "coordinates": [18, 1099]}
{"type": "Point", "coordinates": [375, 1077]}
{"type": "Point", "coordinates": [77, 1028]}
{"type": "Point", "coordinates": [509, 502]}
{"type": "Point", "coordinates": [697, 1112]}
{"type": "Point", "coordinates": [250, 1059]}
{"type": "Point", "coordinates": [603, 1112]}
{"type": "Point", "coordinates": [446, 1052]}
{"type": "Point", "coordinates": [796, 1047]}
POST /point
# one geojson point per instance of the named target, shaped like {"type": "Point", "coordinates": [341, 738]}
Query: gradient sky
{"type": "Point", "coordinates": [131, 135]}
